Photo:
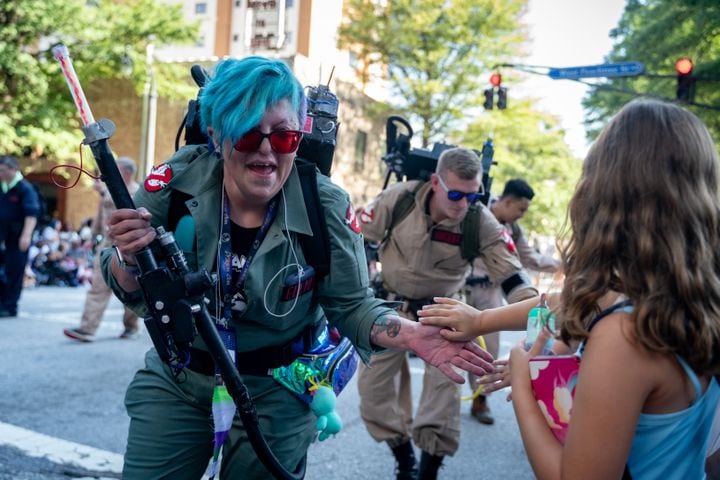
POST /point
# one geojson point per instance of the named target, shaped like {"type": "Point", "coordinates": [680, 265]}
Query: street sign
{"type": "Point", "coordinates": [626, 69]}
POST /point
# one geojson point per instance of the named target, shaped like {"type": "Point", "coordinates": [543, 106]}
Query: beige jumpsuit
{"type": "Point", "coordinates": [420, 260]}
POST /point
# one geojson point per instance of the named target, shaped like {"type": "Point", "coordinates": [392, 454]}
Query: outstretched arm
{"type": "Point", "coordinates": [392, 331]}
{"type": "Point", "coordinates": [463, 322]}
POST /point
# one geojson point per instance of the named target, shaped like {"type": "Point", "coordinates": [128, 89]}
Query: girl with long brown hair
{"type": "Point", "coordinates": [641, 296]}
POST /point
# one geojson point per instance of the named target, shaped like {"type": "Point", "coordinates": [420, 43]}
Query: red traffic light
{"type": "Point", "coordinates": [684, 66]}
{"type": "Point", "coordinates": [495, 79]}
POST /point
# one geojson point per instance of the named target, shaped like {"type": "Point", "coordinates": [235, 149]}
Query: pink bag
{"type": "Point", "coordinates": [553, 382]}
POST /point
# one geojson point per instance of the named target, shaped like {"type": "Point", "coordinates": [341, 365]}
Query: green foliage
{"type": "Point", "coordinates": [437, 55]}
{"type": "Point", "coordinates": [436, 52]}
{"type": "Point", "coordinates": [37, 116]}
{"type": "Point", "coordinates": [657, 33]}
{"type": "Point", "coordinates": [530, 145]}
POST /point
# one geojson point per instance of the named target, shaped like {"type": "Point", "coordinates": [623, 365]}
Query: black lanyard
{"type": "Point", "coordinates": [229, 289]}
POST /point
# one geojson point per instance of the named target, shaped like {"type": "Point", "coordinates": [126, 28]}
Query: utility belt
{"type": "Point", "coordinates": [262, 361]}
{"type": "Point", "coordinates": [475, 281]}
{"type": "Point", "coordinates": [408, 305]}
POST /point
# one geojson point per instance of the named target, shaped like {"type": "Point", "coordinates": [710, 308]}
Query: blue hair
{"type": "Point", "coordinates": [237, 94]}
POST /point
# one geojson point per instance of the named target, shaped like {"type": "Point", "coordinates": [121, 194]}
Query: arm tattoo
{"type": "Point", "coordinates": [389, 325]}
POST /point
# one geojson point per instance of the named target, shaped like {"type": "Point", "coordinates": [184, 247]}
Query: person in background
{"type": "Point", "coordinates": [241, 191]}
{"type": "Point", "coordinates": [98, 297]}
{"type": "Point", "coordinates": [483, 293]}
{"type": "Point", "coordinates": [641, 295]}
{"type": "Point", "coordinates": [19, 210]}
{"type": "Point", "coordinates": [422, 257]}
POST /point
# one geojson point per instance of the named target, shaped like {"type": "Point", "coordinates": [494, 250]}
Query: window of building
{"type": "Point", "coordinates": [360, 148]}
{"type": "Point", "coordinates": [236, 37]}
{"type": "Point", "coordinates": [200, 42]}
{"type": "Point", "coordinates": [200, 8]}
{"type": "Point", "coordinates": [289, 3]}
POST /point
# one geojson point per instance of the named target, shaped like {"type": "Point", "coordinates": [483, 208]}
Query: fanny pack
{"type": "Point", "coordinates": [331, 361]}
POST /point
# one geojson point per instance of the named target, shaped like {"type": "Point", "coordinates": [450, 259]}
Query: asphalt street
{"type": "Point", "coordinates": [65, 399]}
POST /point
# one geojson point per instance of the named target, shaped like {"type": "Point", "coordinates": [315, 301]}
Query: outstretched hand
{"type": "Point", "coordinates": [461, 321]}
{"type": "Point", "coordinates": [430, 345]}
{"type": "Point", "coordinates": [496, 380]}
{"type": "Point", "coordinates": [501, 378]}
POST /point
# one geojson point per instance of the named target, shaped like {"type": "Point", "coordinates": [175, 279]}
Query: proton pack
{"type": "Point", "coordinates": [418, 164]}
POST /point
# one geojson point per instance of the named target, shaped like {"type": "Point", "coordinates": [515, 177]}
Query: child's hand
{"type": "Point", "coordinates": [498, 379]}
{"type": "Point", "coordinates": [459, 319]}
{"type": "Point", "coordinates": [518, 365]}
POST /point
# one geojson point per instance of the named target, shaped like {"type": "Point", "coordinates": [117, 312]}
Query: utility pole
{"type": "Point", "coordinates": [149, 115]}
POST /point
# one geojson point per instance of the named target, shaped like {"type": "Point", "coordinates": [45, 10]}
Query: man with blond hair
{"type": "Point", "coordinates": [421, 258]}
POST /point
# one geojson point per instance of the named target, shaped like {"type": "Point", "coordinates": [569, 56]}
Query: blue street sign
{"type": "Point", "coordinates": [626, 69]}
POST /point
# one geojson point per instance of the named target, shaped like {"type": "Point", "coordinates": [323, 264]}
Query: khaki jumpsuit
{"type": "Point", "coordinates": [420, 260]}
{"type": "Point", "coordinates": [98, 297]}
{"type": "Point", "coordinates": [171, 433]}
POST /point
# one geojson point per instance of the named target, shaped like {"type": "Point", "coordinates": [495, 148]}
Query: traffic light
{"type": "Point", "coordinates": [502, 98]}
{"type": "Point", "coordinates": [488, 99]}
{"type": "Point", "coordinates": [495, 81]}
{"type": "Point", "coordinates": [685, 82]}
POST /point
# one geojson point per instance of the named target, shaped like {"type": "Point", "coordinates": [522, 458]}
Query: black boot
{"type": "Point", "coordinates": [405, 464]}
{"type": "Point", "coordinates": [429, 466]}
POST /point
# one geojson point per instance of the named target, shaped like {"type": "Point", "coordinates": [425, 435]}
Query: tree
{"type": "Point", "coordinates": [530, 145]}
{"type": "Point", "coordinates": [657, 33]}
{"type": "Point", "coordinates": [37, 116]}
{"type": "Point", "coordinates": [434, 52]}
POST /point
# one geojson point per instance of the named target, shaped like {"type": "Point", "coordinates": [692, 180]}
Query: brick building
{"type": "Point", "coordinates": [299, 32]}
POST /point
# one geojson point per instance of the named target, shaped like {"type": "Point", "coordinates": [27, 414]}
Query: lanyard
{"type": "Point", "coordinates": [231, 292]}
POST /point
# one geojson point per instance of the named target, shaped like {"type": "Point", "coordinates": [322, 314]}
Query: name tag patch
{"type": "Point", "coordinates": [289, 292]}
{"type": "Point", "coordinates": [296, 286]}
{"type": "Point", "coordinates": [445, 236]}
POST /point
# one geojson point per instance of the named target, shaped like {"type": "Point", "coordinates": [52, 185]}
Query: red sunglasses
{"type": "Point", "coordinates": [281, 141]}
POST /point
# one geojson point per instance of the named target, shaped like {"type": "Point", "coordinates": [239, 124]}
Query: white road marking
{"type": "Point", "coordinates": [60, 451]}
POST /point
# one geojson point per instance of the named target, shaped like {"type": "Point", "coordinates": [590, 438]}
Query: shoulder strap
{"type": "Point", "coordinates": [515, 231]}
{"type": "Point", "coordinates": [177, 208]}
{"type": "Point", "coordinates": [608, 311]}
{"type": "Point", "coordinates": [470, 228]}
{"type": "Point", "coordinates": [317, 247]}
{"type": "Point", "coordinates": [403, 207]}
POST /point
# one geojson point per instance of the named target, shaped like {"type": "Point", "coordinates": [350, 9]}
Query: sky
{"type": "Point", "coordinates": [567, 33]}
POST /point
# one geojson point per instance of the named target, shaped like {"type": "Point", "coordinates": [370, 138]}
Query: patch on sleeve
{"type": "Point", "coordinates": [159, 178]}
{"type": "Point", "coordinates": [351, 219]}
{"type": "Point", "coordinates": [367, 215]}
{"type": "Point", "coordinates": [507, 238]}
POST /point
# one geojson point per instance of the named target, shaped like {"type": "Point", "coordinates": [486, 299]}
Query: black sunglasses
{"type": "Point", "coordinates": [457, 195]}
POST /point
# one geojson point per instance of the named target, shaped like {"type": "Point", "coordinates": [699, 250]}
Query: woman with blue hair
{"type": "Point", "coordinates": [242, 197]}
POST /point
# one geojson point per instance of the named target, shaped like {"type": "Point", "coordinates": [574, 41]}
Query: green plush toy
{"type": "Point", "coordinates": [323, 406]}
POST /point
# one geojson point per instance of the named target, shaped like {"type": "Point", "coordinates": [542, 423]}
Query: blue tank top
{"type": "Point", "coordinates": [671, 445]}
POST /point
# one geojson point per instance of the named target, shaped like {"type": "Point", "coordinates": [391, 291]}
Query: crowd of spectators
{"type": "Point", "coordinates": [60, 256]}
